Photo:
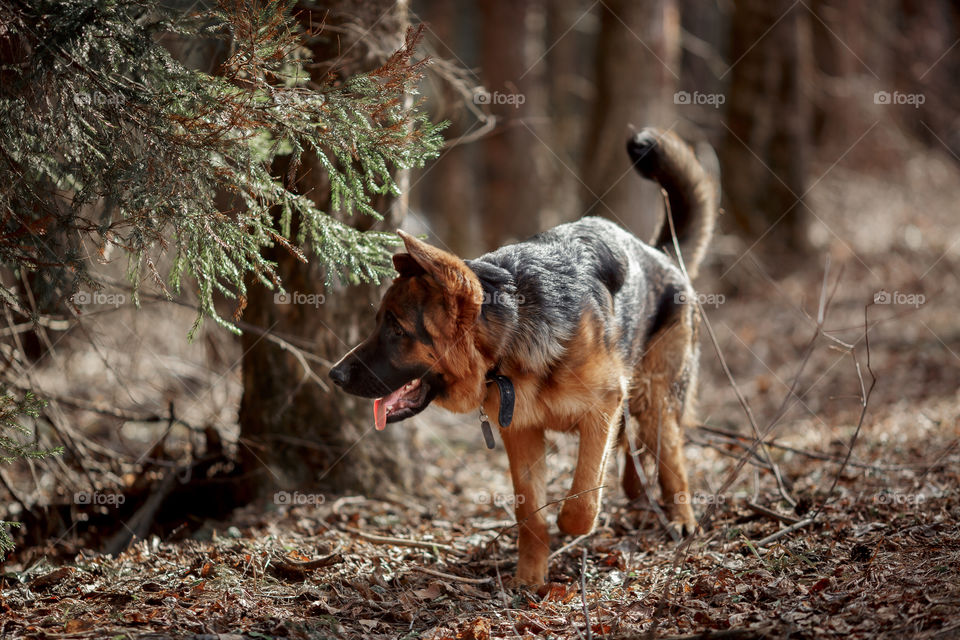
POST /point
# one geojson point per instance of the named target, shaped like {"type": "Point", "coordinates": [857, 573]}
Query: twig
{"type": "Point", "coordinates": [816, 455]}
{"type": "Point", "coordinates": [796, 526]}
{"type": "Point", "coordinates": [572, 543]}
{"type": "Point", "coordinates": [776, 515]}
{"type": "Point", "coordinates": [293, 570]}
{"type": "Point", "coordinates": [104, 409]}
{"type": "Point", "coordinates": [583, 594]}
{"type": "Point", "coordinates": [866, 393]}
{"type": "Point", "coordinates": [755, 460]}
{"type": "Point", "coordinates": [405, 542]}
{"type": "Point", "coordinates": [450, 576]}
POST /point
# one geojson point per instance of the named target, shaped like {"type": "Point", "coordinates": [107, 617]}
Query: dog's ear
{"type": "Point", "coordinates": [453, 275]}
{"type": "Point", "coordinates": [405, 265]}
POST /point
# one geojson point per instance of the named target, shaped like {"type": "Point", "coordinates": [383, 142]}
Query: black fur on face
{"type": "Point", "coordinates": [392, 356]}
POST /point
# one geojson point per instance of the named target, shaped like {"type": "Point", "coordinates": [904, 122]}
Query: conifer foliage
{"type": "Point", "coordinates": [109, 146]}
{"type": "Point", "coordinates": [14, 411]}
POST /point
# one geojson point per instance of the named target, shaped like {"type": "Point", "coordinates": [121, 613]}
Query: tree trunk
{"type": "Point", "coordinates": [511, 202]}
{"type": "Point", "coordinates": [295, 434]}
{"type": "Point", "coordinates": [764, 154]}
{"type": "Point", "coordinates": [448, 194]}
{"type": "Point", "coordinates": [637, 64]}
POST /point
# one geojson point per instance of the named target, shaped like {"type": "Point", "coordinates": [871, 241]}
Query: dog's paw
{"type": "Point", "coordinates": [682, 524]}
{"type": "Point", "coordinates": [577, 517]}
{"type": "Point", "coordinates": [527, 578]}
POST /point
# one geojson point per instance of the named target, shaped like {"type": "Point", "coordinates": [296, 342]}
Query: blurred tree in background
{"type": "Point", "coordinates": [780, 90]}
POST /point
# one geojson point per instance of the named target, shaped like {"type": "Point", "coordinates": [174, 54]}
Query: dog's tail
{"type": "Point", "coordinates": [691, 193]}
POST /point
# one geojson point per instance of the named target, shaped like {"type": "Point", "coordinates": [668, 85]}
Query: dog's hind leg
{"type": "Point", "coordinates": [598, 436]}
{"type": "Point", "coordinates": [526, 450]}
{"type": "Point", "coordinates": [667, 374]}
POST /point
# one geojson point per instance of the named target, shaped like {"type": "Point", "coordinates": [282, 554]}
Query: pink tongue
{"type": "Point", "coordinates": [380, 413]}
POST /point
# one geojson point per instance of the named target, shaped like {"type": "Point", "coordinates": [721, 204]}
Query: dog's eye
{"type": "Point", "coordinates": [395, 326]}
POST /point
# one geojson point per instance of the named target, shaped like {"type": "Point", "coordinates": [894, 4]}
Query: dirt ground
{"type": "Point", "coordinates": [880, 558]}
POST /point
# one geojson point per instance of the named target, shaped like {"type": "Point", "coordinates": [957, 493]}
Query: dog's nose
{"type": "Point", "coordinates": [339, 375]}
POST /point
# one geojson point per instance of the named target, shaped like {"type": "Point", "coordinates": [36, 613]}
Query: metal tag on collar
{"type": "Point", "coordinates": [487, 431]}
{"type": "Point", "coordinates": [507, 398]}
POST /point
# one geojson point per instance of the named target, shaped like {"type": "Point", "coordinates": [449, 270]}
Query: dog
{"type": "Point", "coordinates": [567, 331]}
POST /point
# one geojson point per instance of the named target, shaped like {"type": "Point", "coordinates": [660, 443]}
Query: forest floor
{"type": "Point", "coordinates": [875, 556]}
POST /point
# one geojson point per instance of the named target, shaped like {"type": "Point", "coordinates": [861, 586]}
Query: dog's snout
{"type": "Point", "coordinates": [340, 375]}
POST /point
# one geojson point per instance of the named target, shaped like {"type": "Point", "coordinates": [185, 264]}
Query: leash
{"type": "Point", "coordinates": [508, 397]}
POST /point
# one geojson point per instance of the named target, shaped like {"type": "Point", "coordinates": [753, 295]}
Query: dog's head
{"type": "Point", "coordinates": [424, 346]}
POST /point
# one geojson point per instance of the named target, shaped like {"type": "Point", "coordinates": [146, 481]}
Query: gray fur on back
{"type": "Point", "coordinates": [537, 291]}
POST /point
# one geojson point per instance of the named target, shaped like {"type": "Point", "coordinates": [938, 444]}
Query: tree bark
{"type": "Point", "coordinates": [295, 434]}
{"type": "Point", "coordinates": [764, 154]}
{"type": "Point", "coordinates": [510, 194]}
{"type": "Point", "coordinates": [637, 64]}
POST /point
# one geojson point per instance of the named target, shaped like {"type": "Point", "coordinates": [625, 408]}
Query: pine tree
{"type": "Point", "coordinates": [13, 412]}
{"type": "Point", "coordinates": [108, 140]}
{"type": "Point", "coordinates": [105, 137]}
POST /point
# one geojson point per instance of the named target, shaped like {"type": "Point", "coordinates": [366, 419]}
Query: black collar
{"type": "Point", "coordinates": [508, 396]}
{"type": "Point", "coordinates": [507, 400]}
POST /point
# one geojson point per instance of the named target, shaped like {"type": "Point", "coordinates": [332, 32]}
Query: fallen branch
{"type": "Point", "coordinates": [405, 542]}
{"type": "Point", "coordinates": [450, 576]}
{"type": "Point", "coordinates": [796, 526]}
{"type": "Point", "coordinates": [776, 515]}
{"type": "Point", "coordinates": [733, 436]}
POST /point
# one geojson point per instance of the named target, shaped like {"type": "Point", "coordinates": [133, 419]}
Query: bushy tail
{"type": "Point", "coordinates": [664, 157]}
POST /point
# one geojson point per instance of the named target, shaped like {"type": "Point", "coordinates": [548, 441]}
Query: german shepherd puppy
{"type": "Point", "coordinates": [585, 320]}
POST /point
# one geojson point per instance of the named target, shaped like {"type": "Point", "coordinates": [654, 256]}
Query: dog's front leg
{"type": "Point", "coordinates": [528, 467]}
{"type": "Point", "coordinates": [598, 433]}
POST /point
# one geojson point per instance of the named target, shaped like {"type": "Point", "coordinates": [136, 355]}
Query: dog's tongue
{"type": "Point", "coordinates": [380, 413]}
{"type": "Point", "coordinates": [380, 406]}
